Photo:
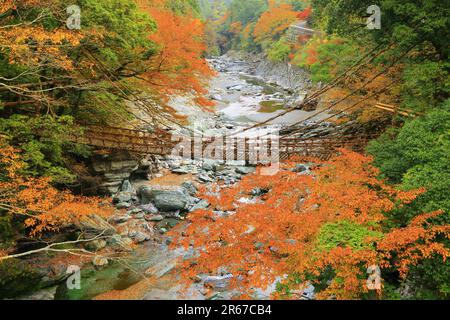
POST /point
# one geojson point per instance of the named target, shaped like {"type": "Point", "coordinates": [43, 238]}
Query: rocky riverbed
{"type": "Point", "coordinates": [249, 89]}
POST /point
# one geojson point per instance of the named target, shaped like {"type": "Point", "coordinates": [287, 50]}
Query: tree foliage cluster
{"type": "Point", "coordinates": [326, 229]}
{"type": "Point", "coordinates": [257, 24]}
{"type": "Point", "coordinates": [414, 154]}
{"type": "Point", "coordinates": [55, 80]}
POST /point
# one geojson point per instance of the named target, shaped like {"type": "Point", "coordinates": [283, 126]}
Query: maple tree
{"type": "Point", "coordinates": [305, 14]}
{"type": "Point", "coordinates": [45, 208]}
{"type": "Point", "coordinates": [278, 233]}
{"type": "Point", "coordinates": [178, 66]}
{"type": "Point", "coordinates": [274, 22]}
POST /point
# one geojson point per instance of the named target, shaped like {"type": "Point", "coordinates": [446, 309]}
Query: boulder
{"type": "Point", "coordinates": [165, 201]}
{"type": "Point", "coordinates": [124, 165]}
{"type": "Point", "coordinates": [220, 167]}
{"type": "Point", "coordinates": [109, 187]}
{"type": "Point", "coordinates": [47, 294]}
{"type": "Point", "coordinates": [54, 274]}
{"type": "Point", "coordinates": [113, 169]}
{"type": "Point", "coordinates": [145, 163]}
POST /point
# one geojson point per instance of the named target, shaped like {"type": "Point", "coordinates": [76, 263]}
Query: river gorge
{"type": "Point", "coordinates": [247, 90]}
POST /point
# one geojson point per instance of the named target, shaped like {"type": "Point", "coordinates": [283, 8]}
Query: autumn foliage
{"type": "Point", "coordinates": [279, 232]}
{"type": "Point", "coordinates": [305, 14]}
{"type": "Point", "coordinates": [179, 65]}
{"type": "Point", "coordinates": [274, 22]}
{"type": "Point", "coordinates": [44, 208]}
{"type": "Point", "coordinates": [31, 44]}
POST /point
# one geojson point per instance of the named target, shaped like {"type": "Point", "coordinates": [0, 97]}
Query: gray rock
{"type": "Point", "coordinates": [140, 215]}
{"type": "Point", "coordinates": [309, 293]}
{"type": "Point", "coordinates": [190, 188]}
{"type": "Point", "coordinates": [207, 166]}
{"type": "Point", "coordinates": [205, 178]}
{"type": "Point", "coordinates": [117, 177]}
{"type": "Point", "coordinates": [300, 168]}
{"type": "Point", "coordinates": [183, 170]}
{"type": "Point", "coordinates": [123, 205]}
{"type": "Point", "coordinates": [220, 168]}
{"type": "Point", "coordinates": [237, 87]}
{"type": "Point", "coordinates": [109, 187]}
{"type": "Point", "coordinates": [121, 219]}
{"type": "Point", "coordinates": [218, 282]}
{"type": "Point", "coordinates": [127, 187]}
{"type": "Point", "coordinates": [154, 218]}
{"type": "Point", "coordinates": [175, 215]}
{"type": "Point", "coordinates": [124, 165]}
{"type": "Point", "coordinates": [203, 204]}
{"type": "Point", "coordinates": [123, 196]}
{"type": "Point", "coordinates": [258, 192]}
{"type": "Point", "coordinates": [149, 208]}
{"type": "Point", "coordinates": [43, 294]}
{"type": "Point", "coordinates": [245, 170]}
{"type": "Point", "coordinates": [135, 211]}
{"type": "Point", "coordinates": [53, 274]}
{"type": "Point", "coordinates": [145, 164]}
{"type": "Point", "coordinates": [165, 201]}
